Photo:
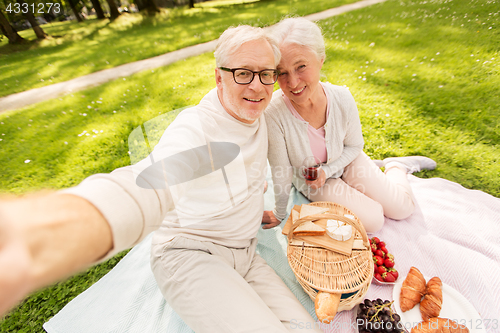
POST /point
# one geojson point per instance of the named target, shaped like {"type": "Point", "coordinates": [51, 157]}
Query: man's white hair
{"type": "Point", "coordinates": [234, 37]}
{"type": "Point", "coordinates": [300, 31]}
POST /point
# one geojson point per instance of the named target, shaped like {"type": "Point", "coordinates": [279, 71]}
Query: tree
{"type": "Point", "coordinates": [9, 31]}
{"type": "Point", "coordinates": [191, 3]}
{"type": "Point", "coordinates": [72, 4]}
{"type": "Point", "coordinates": [113, 10]}
{"type": "Point", "coordinates": [98, 9]}
{"type": "Point", "coordinates": [40, 34]}
{"type": "Point", "coordinates": [150, 6]}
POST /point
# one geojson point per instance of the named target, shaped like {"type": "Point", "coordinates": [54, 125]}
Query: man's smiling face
{"type": "Point", "coordinates": [246, 102]}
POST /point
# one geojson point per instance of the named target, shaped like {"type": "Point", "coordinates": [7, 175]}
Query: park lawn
{"type": "Point", "coordinates": [411, 66]}
{"type": "Point", "coordinates": [77, 49]}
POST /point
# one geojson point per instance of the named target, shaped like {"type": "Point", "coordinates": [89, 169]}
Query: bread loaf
{"type": "Point", "coordinates": [309, 229]}
{"type": "Point", "coordinates": [326, 306]}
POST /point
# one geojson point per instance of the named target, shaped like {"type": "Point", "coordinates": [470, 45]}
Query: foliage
{"type": "Point", "coordinates": [77, 49]}
{"type": "Point", "coordinates": [411, 66]}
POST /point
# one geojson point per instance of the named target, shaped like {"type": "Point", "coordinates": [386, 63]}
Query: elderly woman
{"type": "Point", "coordinates": [311, 118]}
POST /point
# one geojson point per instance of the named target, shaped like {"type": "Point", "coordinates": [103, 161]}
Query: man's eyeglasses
{"type": "Point", "coordinates": [246, 76]}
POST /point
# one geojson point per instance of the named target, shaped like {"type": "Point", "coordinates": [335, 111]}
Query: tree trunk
{"type": "Point", "coordinates": [40, 34]}
{"type": "Point", "coordinates": [78, 16]}
{"type": "Point", "coordinates": [9, 31]}
{"type": "Point", "coordinates": [98, 9]}
{"type": "Point", "coordinates": [150, 6]}
{"type": "Point", "coordinates": [140, 5]}
{"type": "Point", "coordinates": [191, 3]}
{"type": "Point", "coordinates": [113, 10]}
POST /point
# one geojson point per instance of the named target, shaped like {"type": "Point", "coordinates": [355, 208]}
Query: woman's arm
{"type": "Point", "coordinates": [281, 169]}
{"type": "Point", "coordinates": [353, 140]}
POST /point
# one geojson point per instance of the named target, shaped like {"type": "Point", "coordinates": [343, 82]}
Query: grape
{"type": "Point", "coordinates": [376, 316]}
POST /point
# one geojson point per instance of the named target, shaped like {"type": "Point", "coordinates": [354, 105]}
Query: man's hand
{"type": "Point", "coordinates": [269, 220]}
{"type": "Point", "coordinates": [45, 238]}
{"type": "Point", "coordinates": [319, 182]}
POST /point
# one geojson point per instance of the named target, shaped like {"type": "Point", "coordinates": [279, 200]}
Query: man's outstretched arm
{"type": "Point", "coordinates": [45, 238]}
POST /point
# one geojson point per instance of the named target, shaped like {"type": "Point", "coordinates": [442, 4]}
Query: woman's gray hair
{"type": "Point", "coordinates": [298, 30]}
{"type": "Point", "coordinates": [234, 37]}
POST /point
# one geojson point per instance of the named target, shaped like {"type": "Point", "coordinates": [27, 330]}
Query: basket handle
{"type": "Point", "coordinates": [341, 218]}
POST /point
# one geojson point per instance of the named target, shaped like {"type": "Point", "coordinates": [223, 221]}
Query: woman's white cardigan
{"type": "Point", "coordinates": [289, 142]}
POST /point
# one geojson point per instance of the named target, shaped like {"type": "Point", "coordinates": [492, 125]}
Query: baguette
{"type": "Point", "coordinates": [326, 305]}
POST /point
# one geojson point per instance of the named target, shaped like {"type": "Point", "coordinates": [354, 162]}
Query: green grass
{"type": "Point", "coordinates": [60, 156]}
{"type": "Point", "coordinates": [426, 78]}
{"type": "Point", "coordinates": [447, 111]}
{"type": "Point", "coordinates": [75, 136]}
{"type": "Point", "coordinates": [32, 315]}
{"type": "Point", "coordinates": [77, 49]}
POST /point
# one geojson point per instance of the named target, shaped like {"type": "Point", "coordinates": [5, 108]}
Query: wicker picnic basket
{"type": "Point", "coordinates": [320, 269]}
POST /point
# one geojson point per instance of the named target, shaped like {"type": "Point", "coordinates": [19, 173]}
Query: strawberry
{"type": "Point", "coordinates": [380, 244]}
{"type": "Point", "coordinates": [389, 263]}
{"type": "Point", "coordinates": [378, 260]}
{"type": "Point", "coordinates": [390, 256]}
{"type": "Point", "coordinates": [388, 277]}
{"type": "Point", "coordinates": [383, 249]}
{"type": "Point", "coordinates": [381, 269]}
{"type": "Point", "coordinates": [394, 272]}
{"type": "Point", "coordinates": [375, 240]}
{"type": "Point", "coordinates": [379, 277]}
{"type": "Point", "coordinates": [379, 253]}
{"type": "Point", "coordinates": [374, 247]}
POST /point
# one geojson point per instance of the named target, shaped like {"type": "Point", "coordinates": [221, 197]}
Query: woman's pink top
{"type": "Point", "coordinates": [316, 136]}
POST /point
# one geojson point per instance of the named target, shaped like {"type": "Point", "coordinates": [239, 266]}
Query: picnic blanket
{"type": "Point", "coordinates": [454, 234]}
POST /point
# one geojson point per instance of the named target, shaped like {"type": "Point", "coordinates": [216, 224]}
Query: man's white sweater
{"type": "Point", "coordinates": [223, 205]}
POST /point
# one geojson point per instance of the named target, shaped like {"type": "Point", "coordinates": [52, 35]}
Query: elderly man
{"type": "Point", "coordinates": [213, 161]}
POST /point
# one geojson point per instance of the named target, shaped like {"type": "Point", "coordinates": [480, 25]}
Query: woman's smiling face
{"type": "Point", "coordinates": [299, 70]}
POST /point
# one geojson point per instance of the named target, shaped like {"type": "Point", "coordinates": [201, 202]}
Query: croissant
{"type": "Point", "coordinates": [439, 325]}
{"type": "Point", "coordinates": [433, 299]}
{"type": "Point", "coordinates": [412, 290]}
